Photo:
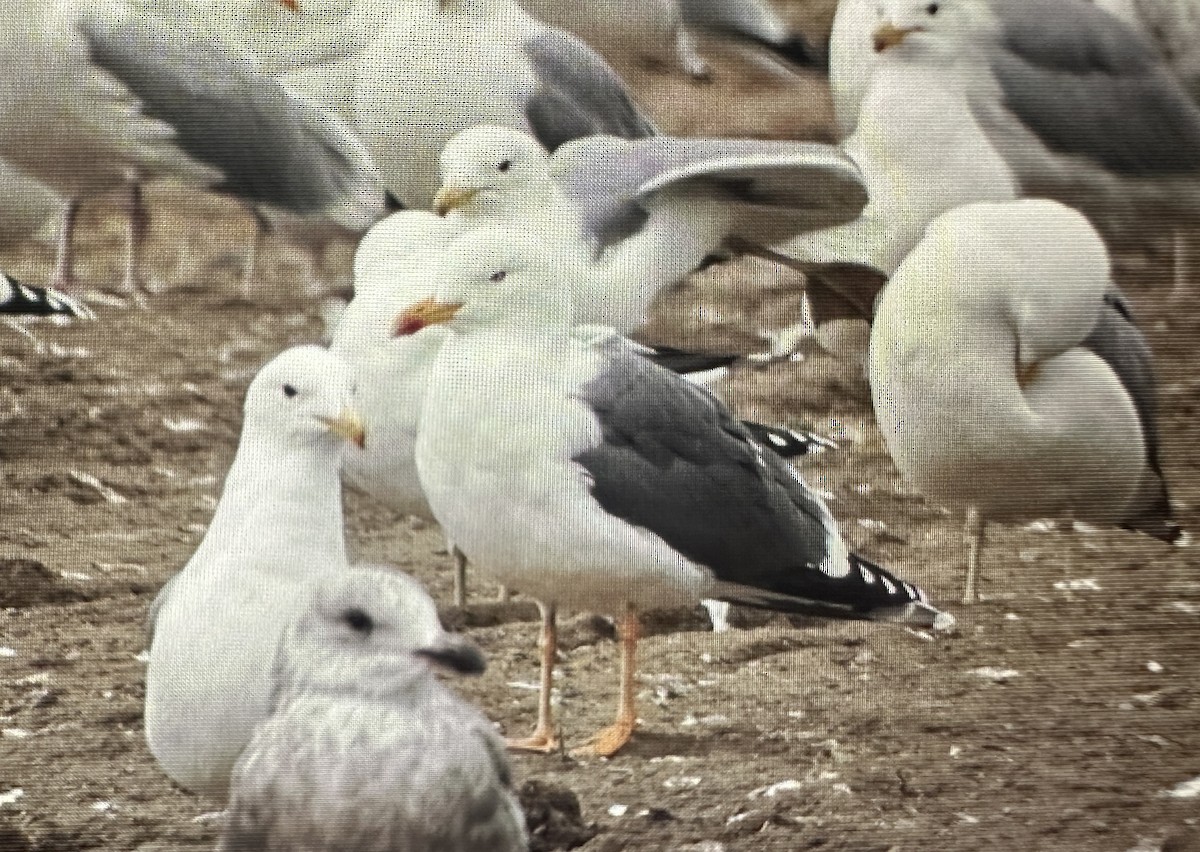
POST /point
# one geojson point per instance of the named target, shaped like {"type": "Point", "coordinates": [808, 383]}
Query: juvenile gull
{"type": "Point", "coordinates": [635, 216]}
{"type": "Point", "coordinates": [596, 480]}
{"type": "Point", "coordinates": [363, 747]}
{"type": "Point", "coordinates": [277, 526]}
{"type": "Point", "coordinates": [1009, 377]}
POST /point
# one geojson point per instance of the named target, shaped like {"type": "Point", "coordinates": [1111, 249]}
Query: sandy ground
{"type": "Point", "coordinates": [1057, 717]}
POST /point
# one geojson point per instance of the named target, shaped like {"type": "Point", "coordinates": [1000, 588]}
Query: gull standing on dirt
{"type": "Point", "coordinates": [597, 480]}
{"type": "Point", "coordinates": [396, 265]}
{"type": "Point", "coordinates": [277, 526]}
{"type": "Point", "coordinates": [98, 94]}
{"type": "Point", "coordinates": [1009, 377]}
{"type": "Point", "coordinates": [363, 747]}
{"type": "Point", "coordinates": [633, 217]}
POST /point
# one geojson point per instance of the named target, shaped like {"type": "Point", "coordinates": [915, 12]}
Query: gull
{"type": "Point", "coordinates": [278, 526]}
{"type": "Point", "coordinates": [632, 217]}
{"type": "Point", "coordinates": [104, 93]}
{"type": "Point", "coordinates": [1082, 108]}
{"type": "Point", "coordinates": [593, 479]}
{"type": "Point", "coordinates": [409, 74]}
{"type": "Point", "coordinates": [1009, 378]}
{"type": "Point", "coordinates": [396, 266]}
{"type": "Point", "coordinates": [363, 747]}
{"type": "Point", "coordinates": [662, 30]}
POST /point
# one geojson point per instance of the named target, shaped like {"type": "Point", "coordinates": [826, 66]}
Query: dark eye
{"type": "Point", "coordinates": [504, 165]}
{"type": "Point", "coordinates": [932, 8]}
{"type": "Point", "coordinates": [359, 621]}
{"type": "Point", "coordinates": [289, 391]}
{"type": "Point", "coordinates": [497, 277]}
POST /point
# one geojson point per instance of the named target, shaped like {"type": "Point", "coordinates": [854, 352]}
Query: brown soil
{"type": "Point", "coordinates": [1051, 719]}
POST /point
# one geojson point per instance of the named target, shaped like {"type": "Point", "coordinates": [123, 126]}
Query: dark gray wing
{"type": "Point", "coordinates": [774, 189]}
{"type": "Point", "coordinates": [673, 460]}
{"type": "Point", "coordinates": [270, 146]}
{"type": "Point", "coordinates": [1087, 84]}
{"type": "Point", "coordinates": [1118, 342]}
{"type": "Point", "coordinates": [578, 94]}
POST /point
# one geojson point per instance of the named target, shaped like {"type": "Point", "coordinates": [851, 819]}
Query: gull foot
{"type": "Point", "coordinates": [608, 741]}
{"type": "Point", "coordinates": [542, 742]}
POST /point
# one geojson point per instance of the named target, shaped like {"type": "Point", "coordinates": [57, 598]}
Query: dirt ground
{"type": "Point", "coordinates": [1060, 715]}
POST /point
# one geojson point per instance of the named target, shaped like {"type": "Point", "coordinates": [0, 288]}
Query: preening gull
{"type": "Point", "coordinates": [363, 747]}
{"type": "Point", "coordinates": [24, 300]}
{"type": "Point", "coordinates": [1009, 377]}
{"type": "Point", "coordinates": [101, 93]}
{"type": "Point", "coordinates": [634, 216]}
{"type": "Point", "coordinates": [396, 265]}
{"type": "Point", "coordinates": [597, 480]}
{"type": "Point", "coordinates": [277, 526]}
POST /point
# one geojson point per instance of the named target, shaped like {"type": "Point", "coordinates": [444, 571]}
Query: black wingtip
{"type": "Point", "coordinates": [17, 299]}
{"type": "Point", "coordinates": [788, 443]}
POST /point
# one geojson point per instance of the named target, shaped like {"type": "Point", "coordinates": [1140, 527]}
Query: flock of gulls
{"type": "Point", "coordinates": [519, 213]}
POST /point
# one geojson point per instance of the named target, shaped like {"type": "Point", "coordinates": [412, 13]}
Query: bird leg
{"type": "Point", "coordinates": [974, 535]}
{"type": "Point", "coordinates": [262, 230]}
{"type": "Point", "coordinates": [544, 738]}
{"type": "Point", "coordinates": [460, 575]}
{"type": "Point", "coordinates": [610, 740]}
{"type": "Point", "coordinates": [63, 277]}
{"type": "Point", "coordinates": [1185, 266]}
{"type": "Point", "coordinates": [138, 225]}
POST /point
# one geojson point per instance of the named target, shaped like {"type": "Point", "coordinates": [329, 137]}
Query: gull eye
{"type": "Point", "coordinates": [290, 391]}
{"type": "Point", "coordinates": [359, 621]}
{"type": "Point", "coordinates": [932, 8]}
{"type": "Point", "coordinates": [504, 165]}
{"type": "Point", "coordinates": [498, 276]}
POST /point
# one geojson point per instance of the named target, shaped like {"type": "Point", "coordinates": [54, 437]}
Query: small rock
{"type": "Point", "coordinates": [553, 817]}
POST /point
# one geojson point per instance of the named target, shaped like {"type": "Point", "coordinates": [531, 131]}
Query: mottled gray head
{"type": "Point", "coordinates": [369, 627]}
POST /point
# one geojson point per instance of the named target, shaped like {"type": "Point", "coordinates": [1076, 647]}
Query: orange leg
{"type": "Point", "coordinates": [612, 739]}
{"type": "Point", "coordinates": [545, 738]}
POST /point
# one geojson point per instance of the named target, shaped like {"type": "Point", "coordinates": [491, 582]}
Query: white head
{"type": "Point", "coordinates": [493, 170]}
{"type": "Point", "coordinates": [370, 629]}
{"type": "Point", "coordinates": [303, 396]}
{"type": "Point", "coordinates": [497, 277]}
{"type": "Point", "coordinates": [916, 29]}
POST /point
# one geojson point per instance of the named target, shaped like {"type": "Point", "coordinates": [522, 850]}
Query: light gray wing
{"type": "Point", "coordinates": [1087, 84]}
{"type": "Point", "coordinates": [270, 146]}
{"type": "Point", "coordinates": [774, 189]}
{"type": "Point", "coordinates": [1118, 342]}
{"type": "Point", "coordinates": [577, 94]}
{"type": "Point", "coordinates": [673, 460]}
